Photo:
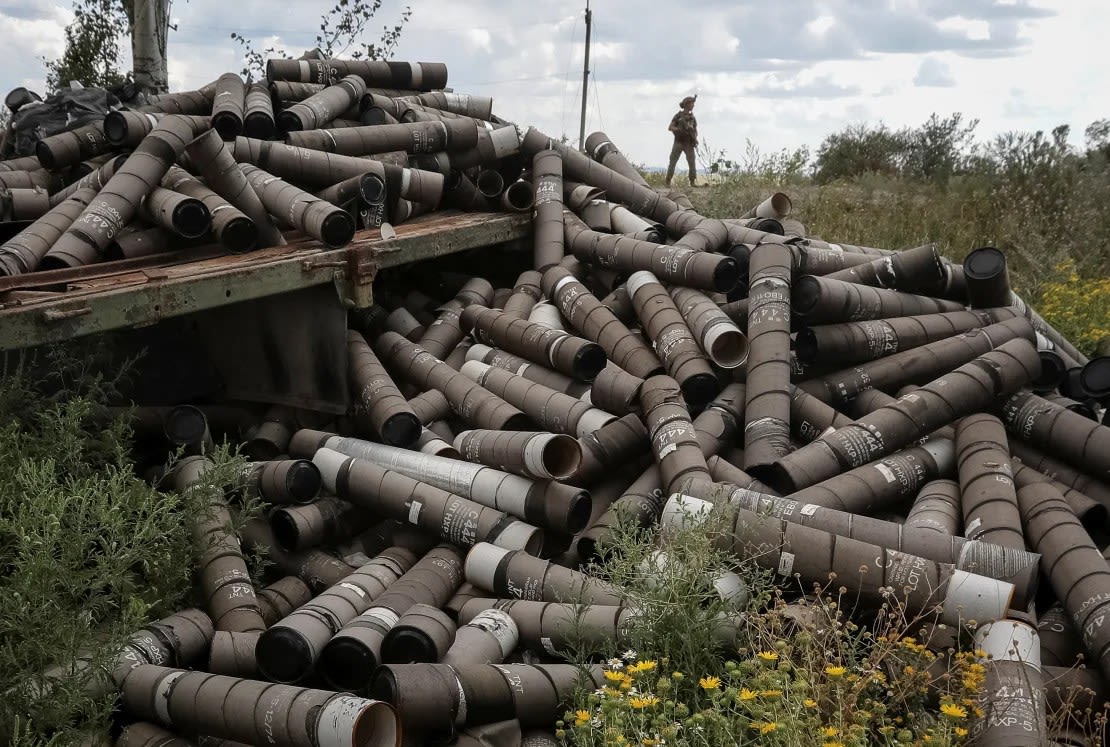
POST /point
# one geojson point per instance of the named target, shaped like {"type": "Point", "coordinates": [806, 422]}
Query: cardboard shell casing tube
{"type": "Point", "coordinates": [1013, 697]}
{"type": "Point", "coordinates": [720, 339]}
{"type": "Point", "coordinates": [560, 382]}
{"type": "Point", "coordinates": [543, 456]}
{"type": "Point", "coordinates": [422, 634]}
{"type": "Point", "coordinates": [348, 660]}
{"type": "Point", "coordinates": [223, 175]}
{"type": "Point", "coordinates": [517, 574]}
{"type": "Point", "coordinates": [234, 708]}
{"type": "Point", "coordinates": [487, 637]}
{"type": "Point", "coordinates": [395, 495]}
{"type": "Point", "coordinates": [810, 554]}
{"type": "Point", "coordinates": [475, 403]}
{"type": "Point", "coordinates": [988, 495]}
{"type": "Point", "coordinates": [937, 508]}
{"type": "Point", "coordinates": [767, 409]}
{"type": "Point", "coordinates": [316, 568]}
{"type": "Point", "coordinates": [1020, 568]}
{"type": "Point", "coordinates": [918, 270]}
{"type": "Point", "coordinates": [673, 341]}
{"type": "Point", "coordinates": [389, 413]}
{"type": "Point", "coordinates": [971, 387]}
{"type": "Point", "coordinates": [553, 627]}
{"type": "Point", "coordinates": [673, 438]}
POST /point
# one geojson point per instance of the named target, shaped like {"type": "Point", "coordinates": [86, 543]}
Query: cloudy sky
{"type": "Point", "coordinates": [778, 74]}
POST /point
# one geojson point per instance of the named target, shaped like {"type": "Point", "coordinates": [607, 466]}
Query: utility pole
{"type": "Point", "coordinates": [585, 81]}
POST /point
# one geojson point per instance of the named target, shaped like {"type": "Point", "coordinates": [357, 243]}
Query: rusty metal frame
{"type": "Point", "coordinates": [51, 306]}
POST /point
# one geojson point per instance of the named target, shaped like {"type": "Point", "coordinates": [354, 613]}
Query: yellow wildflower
{"type": "Point", "coordinates": [764, 727]}
{"type": "Point", "coordinates": [746, 694]}
{"type": "Point", "coordinates": [809, 703]}
{"type": "Point", "coordinates": [581, 717]}
{"type": "Point", "coordinates": [768, 656]}
{"type": "Point", "coordinates": [836, 671]}
{"type": "Point", "coordinates": [614, 676]}
{"type": "Point", "coordinates": [961, 731]}
{"type": "Point", "coordinates": [953, 711]}
{"type": "Point", "coordinates": [643, 666]}
{"type": "Point", "coordinates": [709, 683]}
{"type": "Point", "coordinates": [649, 742]}
{"type": "Point", "coordinates": [830, 731]}
{"type": "Point", "coordinates": [643, 701]}
{"type": "Point", "coordinates": [770, 693]}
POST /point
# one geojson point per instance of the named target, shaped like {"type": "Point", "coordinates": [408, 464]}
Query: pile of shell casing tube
{"type": "Point", "coordinates": [905, 422]}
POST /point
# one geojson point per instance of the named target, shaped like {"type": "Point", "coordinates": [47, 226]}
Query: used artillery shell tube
{"type": "Point", "coordinates": [228, 104]}
{"type": "Point", "coordinates": [416, 76]}
{"type": "Point", "coordinates": [553, 626]}
{"type": "Point", "coordinates": [549, 504]}
{"type": "Point", "coordinates": [401, 321]}
{"type": "Point", "coordinates": [476, 404]}
{"type": "Point", "coordinates": [183, 215]}
{"type": "Point", "coordinates": [96, 179]}
{"type": "Point", "coordinates": [318, 218]}
{"type": "Point", "coordinates": [988, 281]}
{"type": "Point", "coordinates": [222, 570]}
{"type": "Point", "coordinates": [602, 150]}
{"type": "Point", "coordinates": [490, 183]}
{"type": "Point", "coordinates": [609, 447]}
{"type": "Point", "coordinates": [243, 710]}
{"type": "Point", "coordinates": [406, 137]}
{"type": "Point", "coordinates": [317, 569]}
{"type": "Point", "coordinates": [223, 176]}
{"type": "Point", "coordinates": [25, 250]}
{"type": "Point", "coordinates": [722, 341]}
{"type": "Point", "coordinates": [423, 633]}
{"type": "Point", "coordinates": [233, 654]}
{"type": "Point", "coordinates": [581, 168]}
{"type": "Point", "coordinates": [937, 508]}
{"type": "Point", "coordinates": [551, 410]}
{"type": "Point", "coordinates": [442, 335]}
{"type": "Point", "coordinates": [284, 482]}
{"type": "Point", "coordinates": [389, 413]}
{"type": "Point", "coordinates": [1073, 565]}
{"type": "Point", "coordinates": [485, 636]}
{"type": "Point", "coordinates": [397, 496]}
{"type": "Point", "coordinates": [518, 197]}
{"type": "Point", "coordinates": [989, 498]}
{"type": "Point", "coordinates": [289, 649]}
{"type": "Point", "coordinates": [526, 293]}
{"type": "Point", "coordinates": [533, 372]}
{"type": "Point", "coordinates": [544, 456]}
{"type": "Point", "coordinates": [348, 660]}
{"type": "Point", "coordinates": [315, 169]}
{"type": "Point", "coordinates": [615, 390]}
{"type": "Point", "coordinates": [325, 521]}
{"type": "Point", "coordinates": [724, 471]}
{"type": "Point", "coordinates": [320, 108]}
{"type": "Point", "coordinates": [258, 113]}
{"type": "Point", "coordinates": [519, 575]}
{"type": "Point", "coordinates": [118, 202]}
{"type": "Point", "coordinates": [849, 342]}
{"type": "Point", "coordinates": [822, 300]}
{"type": "Point", "coordinates": [767, 411]}
{"type": "Point", "coordinates": [233, 229]}
{"type": "Point", "coordinates": [430, 406]}
{"type": "Point", "coordinates": [776, 206]}
{"type": "Point", "coordinates": [126, 129]}
{"type": "Point", "coordinates": [969, 388]}
{"type": "Point", "coordinates": [810, 555]}
{"type": "Point", "coordinates": [810, 417]}
{"type": "Point", "coordinates": [673, 438]}
{"type": "Point", "coordinates": [1018, 567]}
{"type": "Point", "coordinates": [673, 264]}
{"type": "Point", "coordinates": [279, 599]}
{"type": "Point", "coordinates": [883, 483]}
{"type": "Point", "coordinates": [915, 366]}
{"type": "Point", "coordinates": [1057, 470]}
{"type": "Point", "coordinates": [73, 146]}
{"type": "Point", "coordinates": [1057, 431]}
{"type": "Point", "coordinates": [640, 504]}
{"type": "Point", "coordinates": [24, 204]}
{"type": "Point", "coordinates": [673, 342]}
{"type": "Point", "coordinates": [587, 315]}
{"type": "Point", "coordinates": [918, 270]}
{"type": "Point", "coordinates": [564, 352]}
{"type": "Point", "coordinates": [1013, 695]}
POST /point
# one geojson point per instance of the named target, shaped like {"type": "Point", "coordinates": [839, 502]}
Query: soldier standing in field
{"type": "Point", "coordinates": [685, 129]}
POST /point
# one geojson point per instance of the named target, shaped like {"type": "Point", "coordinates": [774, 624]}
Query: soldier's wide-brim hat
{"type": "Point", "coordinates": [687, 100]}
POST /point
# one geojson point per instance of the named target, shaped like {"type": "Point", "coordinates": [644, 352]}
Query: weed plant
{"type": "Point", "coordinates": [90, 552]}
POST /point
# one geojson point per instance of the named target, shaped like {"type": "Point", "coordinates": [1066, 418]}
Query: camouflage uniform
{"type": "Point", "coordinates": [685, 129]}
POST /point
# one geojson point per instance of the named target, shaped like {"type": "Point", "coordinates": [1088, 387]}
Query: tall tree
{"type": "Point", "coordinates": [92, 50]}
{"type": "Point", "coordinates": [150, 27]}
